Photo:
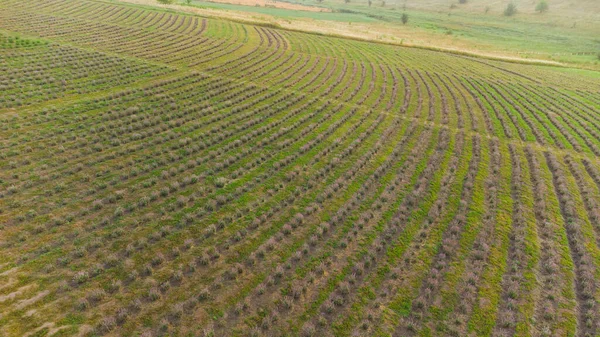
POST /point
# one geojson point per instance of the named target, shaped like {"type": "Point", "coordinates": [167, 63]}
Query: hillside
{"type": "Point", "coordinates": [168, 174]}
{"type": "Point", "coordinates": [566, 33]}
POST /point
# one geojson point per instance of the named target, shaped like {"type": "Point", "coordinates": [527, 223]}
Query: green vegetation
{"type": "Point", "coordinates": [404, 18]}
{"type": "Point", "coordinates": [542, 6]}
{"type": "Point", "coordinates": [167, 174]}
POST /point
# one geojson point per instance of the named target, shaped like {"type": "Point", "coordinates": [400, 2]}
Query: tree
{"type": "Point", "coordinates": [370, 2]}
{"type": "Point", "coordinates": [165, 2]}
{"type": "Point", "coordinates": [404, 18]}
{"type": "Point", "coordinates": [511, 9]}
{"type": "Point", "coordinates": [346, 1]}
{"type": "Point", "coordinates": [319, 1]}
{"type": "Point", "coordinates": [542, 6]}
{"type": "Point", "coordinates": [383, 3]}
{"type": "Point", "coordinates": [462, 1]}
{"type": "Point", "coordinates": [487, 9]}
{"type": "Point", "coordinates": [188, 2]}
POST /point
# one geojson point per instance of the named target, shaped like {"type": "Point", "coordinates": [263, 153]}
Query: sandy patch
{"type": "Point", "coordinates": [52, 329]}
{"type": "Point", "coordinates": [30, 313]}
{"type": "Point", "coordinates": [8, 284]}
{"type": "Point", "coordinates": [23, 303]}
{"type": "Point", "coordinates": [84, 329]}
{"type": "Point", "coordinates": [10, 271]}
{"type": "Point", "coordinates": [15, 293]}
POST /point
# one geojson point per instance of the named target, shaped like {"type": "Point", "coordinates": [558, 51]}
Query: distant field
{"type": "Point", "coordinates": [168, 174]}
{"type": "Point", "coordinates": [567, 33]}
{"type": "Point", "coordinates": [286, 13]}
{"type": "Point", "coordinates": [287, 6]}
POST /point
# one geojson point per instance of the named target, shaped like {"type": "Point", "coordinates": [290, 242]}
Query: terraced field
{"type": "Point", "coordinates": [164, 174]}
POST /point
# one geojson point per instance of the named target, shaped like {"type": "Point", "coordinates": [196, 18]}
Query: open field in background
{"type": "Point", "coordinates": [286, 6]}
{"type": "Point", "coordinates": [168, 174]}
{"type": "Point", "coordinates": [567, 33]}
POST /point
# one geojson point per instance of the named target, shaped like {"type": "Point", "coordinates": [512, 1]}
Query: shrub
{"type": "Point", "coordinates": [204, 294]}
{"type": "Point", "coordinates": [112, 260]}
{"type": "Point", "coordinates": [542, 6]}
{"type": "Point", "coordinates": [114, 286]}
{"type": "Point", "coordinates": [309, 330]}
{"type": "Point", "coordinates": [510, 10]}
{"type": "Point", "coordinates": [133, 275]}
{"type": "Point", "coordinates": [81, 277]}
{"type": "Point", "coordinates": [136, 305]}
{"type": "Point", "coordinates": [328, 306]}
{"type": "Point", "coordinates": [122, 315]}
{"type": "Point", "coordinates": [158, 259]}
{"type": "Point", "coordinates": [220, 182]}
{"type": "Point", "coordinates": [96, 295]}
{"type": "Point", "coordinates": [260, 289]}
{"type": "Point", "coordinates": [82, 305]}
{"type": "Point", "coordinates": [344, 288]}
{"type": "Point", "coordinates": [178, 276]}
{"type": "Point", "coordinates": [164, 286]}
{"type": "Point", "coordinates": [177, 311]}
{"type": "Point", "coordinates": [107, 324]}
{"type": "Point", "coordinates": [404, 18]}
{"type": "Point", "coordinates": [287, 229]}
{"type": "Point", "coordinates": [153, 294]}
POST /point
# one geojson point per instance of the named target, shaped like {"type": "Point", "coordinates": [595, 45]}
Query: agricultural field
{"type": "Point", "coordinates": [168, 174]}
{"type": "Point", "coordinates": [565, 33]}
